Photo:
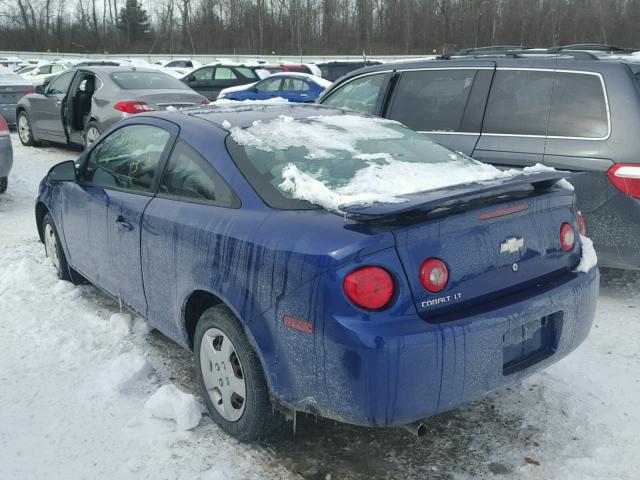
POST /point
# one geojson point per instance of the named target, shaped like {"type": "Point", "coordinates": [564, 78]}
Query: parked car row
{"type": "Point", "coordinates": [568, 108]}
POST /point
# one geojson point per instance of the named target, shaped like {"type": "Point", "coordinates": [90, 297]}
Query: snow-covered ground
{"type": "Point", "coordinates": [80, 385]}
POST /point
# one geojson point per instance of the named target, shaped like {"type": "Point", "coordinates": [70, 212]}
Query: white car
{"type": "Point", "coordinates": [9, 64]}
{"type": "Point", "coordinates": [38, 75]}
{"type": "Point", "coordinates": [181, 65]}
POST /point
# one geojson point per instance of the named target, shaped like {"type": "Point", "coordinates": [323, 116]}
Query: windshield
{"type": "Point", "coordinates": [132, 80]}
{"type": "Point", "coordinates": [337, 160]}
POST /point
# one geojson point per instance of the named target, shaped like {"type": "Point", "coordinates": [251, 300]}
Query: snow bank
{"type": "Point", "coordinates": [125, 371]}
{"type": "Point", "coordinates": [120, 324]}
{"type": "Point", "coordinates": [171, 403]}
{"type": "Point", "coordinates": [589, 258]}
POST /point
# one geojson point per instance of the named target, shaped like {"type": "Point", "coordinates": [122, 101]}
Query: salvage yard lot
{"type": "Point", "coordinates": [62, 420]}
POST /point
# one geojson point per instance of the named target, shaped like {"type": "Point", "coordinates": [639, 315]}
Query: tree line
{"type": "Point", "coordinates": [310, 27]}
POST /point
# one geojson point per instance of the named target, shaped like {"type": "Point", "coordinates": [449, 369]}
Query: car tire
{"type": "Point", "coordinates": [53, 249]}
{"type": "Point", "coordinates": [4, 182]}
{"type": "Point", "coordinates": [25, 132]}
{"type": "Point", "coordinates": [91, 133]}
{"type": "Point", "coordinates": [231, 377]}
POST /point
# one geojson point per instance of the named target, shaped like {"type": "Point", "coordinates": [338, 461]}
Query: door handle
{"type": "Point", "coordinates": [122, 223]}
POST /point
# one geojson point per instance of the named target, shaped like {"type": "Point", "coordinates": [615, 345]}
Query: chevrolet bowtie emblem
{"type": "Point", "coordinates": [512, 245]}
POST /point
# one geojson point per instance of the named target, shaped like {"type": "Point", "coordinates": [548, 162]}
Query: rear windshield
{"type": "Point", "coordinates": [132, 80]}
{"type": "Point", "coordinates": [335, 160]}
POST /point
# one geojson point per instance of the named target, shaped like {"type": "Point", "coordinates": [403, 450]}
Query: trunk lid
{"type": "Point", "coordinates": [496, 239]}
{"type": "Point", "coordinates": [13, 88]}
{"type": "Point", "coordinates": [163, 99]}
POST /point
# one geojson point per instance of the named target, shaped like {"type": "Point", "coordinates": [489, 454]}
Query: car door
{"type": "Point", "coordinates": [445, 104]}
{"type": "Point", "coordinates": [514, 131]}
{"type": "Point", "coordinates": [365, 93]}
{"type": "Point", "coordinates": [201, 81]}
{"type": "Point", "coordinates": [47, 115]}
{"type": "Point", "coordinates": [119, 177]}
{"type": "Point", "coordinates": [268, 88]}
{"type": "Point", "coordinates": [224, 77]}
{"type": "Point", "coordinates": [179, 242]}
{"type": "Point", "coordinates": [295, 90]}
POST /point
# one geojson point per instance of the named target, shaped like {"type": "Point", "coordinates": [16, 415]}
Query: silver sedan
{"type": "Point", "coordinates": [79, 104]}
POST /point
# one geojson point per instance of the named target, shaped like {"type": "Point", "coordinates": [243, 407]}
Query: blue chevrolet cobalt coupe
{"type": "Point", "coordinates": [324, 262]}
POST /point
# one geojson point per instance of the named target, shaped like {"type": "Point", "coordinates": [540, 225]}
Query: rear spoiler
{"type": "Point", "coordinates": [446, 196]}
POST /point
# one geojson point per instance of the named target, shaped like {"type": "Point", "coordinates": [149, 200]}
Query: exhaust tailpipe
{"type": "Point", "coordinates": [417, 429]}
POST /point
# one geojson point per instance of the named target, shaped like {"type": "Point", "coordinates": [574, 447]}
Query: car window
{"type": "Point", "coordinates": [190, 176]}
{"type": "Point", "coordinates": [246, 72]}
{"type": "Point", "coordinates": [224, 73]}
{"type": "Point", "coordinates": [269, 85]}
{"type": "Point", "coordinates": [519, 103]}
{"type": "Point", "coordinates": [135, 80]}
{"type": "Point", "coordinates": [578, 107]}
{"type": "Point", "coordinates": [432, 100]}
{"type": "Point", "coordinates": [294, 85]}
{"type": "Point", "coordinates": [44, 69]}
{"type": "Point", "coordinates": [127, 158]}
{"type": "Point", "coordinates": [360, 94]}
{"type": "Point", "coordinates": [204, 73]}
{"type": "Point", "coordinates": [60, 86]}
{"type": "Point", "coordinates": [57, 68]}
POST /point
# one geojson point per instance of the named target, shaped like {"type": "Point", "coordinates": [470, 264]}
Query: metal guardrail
{"type": "Point", "coordinates": [208, 58]}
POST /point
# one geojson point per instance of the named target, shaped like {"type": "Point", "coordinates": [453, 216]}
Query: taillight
{"type": "Point", "coordinates": [582, 226]}
{"type": "Point", "coordinates": [27, 92]}
{"type": "Point", "coordinates": [567, 237]}
{"type": "Point", "coordinates": [626, 178]}
{"type": "Point", "coordinates": [133, 107]}
{"type": "Point", "coordinates": [434, 275]}
{"type": "Point", "coordinates": [205, 102]}
{"type": "Point", "coordinates": [4, 128]}
{"type": "Point", "coordinates": [369, 287]}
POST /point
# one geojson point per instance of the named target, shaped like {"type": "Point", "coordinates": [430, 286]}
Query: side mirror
{"type": "Point", "coordinates": [63, 172]}
{"type": "Point", "coordinates": [39, 89]}
{"type": "Point", "coordinates": [190, 78]}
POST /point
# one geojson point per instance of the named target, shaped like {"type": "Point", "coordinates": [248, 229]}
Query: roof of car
{"type": "Point", "coordinates": [243, 114]}
{"type": "Point", "coordinates": [106, 69]}
{"type": "Point", "coordinates": [531, 59]}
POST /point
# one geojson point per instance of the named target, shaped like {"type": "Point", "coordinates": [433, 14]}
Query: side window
{"type": "Point", "coordinates": [60, 86]}
{"type": "Point", "coordinates": [432, 100]}
{"type": "Point", "coordinates": [361, 94]}
{"type": "Point", "coordinates": [269, 85]}
{"type": "Point", "coordinates": [295, 85]}
{"type": "Point", "coordinates": [519, 103]}
{"type": "Point", "coordinates": [224, 73]}
{"type": "Point", "coordinates": [56, 68]}
{"type": "Point", "coordinates": [190, 176]}
{"type": "Point", "coordinates": [45, 69]}
{"type": "Point", "coordinates": [578, 107]}
{"type": "Point", "coordinates": [204, 73]}
{"type": "Point", "coordinates": [128, 158]}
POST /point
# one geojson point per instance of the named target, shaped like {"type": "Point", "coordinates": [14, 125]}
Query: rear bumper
{"type": "Point", "coordinates": [389, 373]}
{"type": "Point", "coordinates": [6, 156]}
{"type": "Point", "coordinates": [614, 228]}
{"type": "Point", "coordinates": [8, 111]}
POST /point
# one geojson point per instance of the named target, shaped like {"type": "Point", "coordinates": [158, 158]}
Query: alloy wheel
{"type": "Point", "coordinates": [23, 129]}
